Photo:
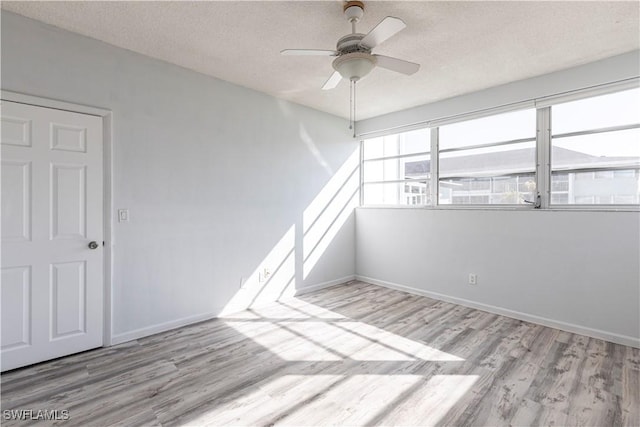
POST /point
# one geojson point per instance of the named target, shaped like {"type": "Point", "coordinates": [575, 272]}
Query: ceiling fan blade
{"type": "Point", "coordinates": [388, 27]}
{"type": "Point", "coordinates": [333, 81]}
{"type": "Point", "coordinates": [309, 52]}
{"type": "Point", "coordinates": [397, 65]}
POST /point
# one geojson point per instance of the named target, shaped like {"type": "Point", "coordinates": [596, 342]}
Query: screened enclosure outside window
{"type": "Point", "coordinates": [396, 169]}
{"type": "Point", "coordinates": [595, 150]}
{"type": "Point", "coordinates": [488, 161]}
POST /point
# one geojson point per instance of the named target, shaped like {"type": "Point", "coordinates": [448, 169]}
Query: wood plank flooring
{"type": "Point", "coordinates": [353, 354]}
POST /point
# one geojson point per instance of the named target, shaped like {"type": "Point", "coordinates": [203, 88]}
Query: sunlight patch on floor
{"type": "Point", "coordinates": [432, 400]}
{"type": "Point", "coordinates": [353, 401]}
{"type": "Point", "coordinates": [386, 341]}
{"type": "Point", "coordinates": [317, 339]}
{"type": "Point", "coordinates": [284, 342]}
{"type": "Point", "coordinates": [292, 309]}
{"type": "Point", "coordinates": [343, 400]}
{"type": "Point", "coordinates": [268, 401]}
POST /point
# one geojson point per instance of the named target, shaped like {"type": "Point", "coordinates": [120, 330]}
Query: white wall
{"type": "Point", "coordinates": [608, 70]}
{"type": "Point", "coordinates": [579, 271]}
{"type": "Point", "coordinates": [213, 174]}
{"type": "Point", "coordinates": [576, 270]}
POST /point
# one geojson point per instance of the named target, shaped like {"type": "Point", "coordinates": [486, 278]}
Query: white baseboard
{"type": "Point", "coordinates": [317, 287]}
{"type": "Point", "coordinates": [161, 327]}
{"type": "Point", "coordinates": [173, 324]}
{"type": "Point", "coordinates": [556, 324]}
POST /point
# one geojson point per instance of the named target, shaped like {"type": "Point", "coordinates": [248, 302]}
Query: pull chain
{"type": "Point", "coordinates": [351, 104]}
{"type": "Point", "coordinates": [354, 109]}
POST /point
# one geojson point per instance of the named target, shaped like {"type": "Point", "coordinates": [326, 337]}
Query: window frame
{"type": "Point", "coordinates": [429, 181]}
{"type": "Point", "coordinates": [489, 145]}
{"type": "Point", "coordinates": [547, 145]}
{"type": "Point", "coordinates": [543, 150]}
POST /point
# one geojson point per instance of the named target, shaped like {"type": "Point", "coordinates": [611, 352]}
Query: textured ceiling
{"type": "Point", "coordinates": [462, 46]}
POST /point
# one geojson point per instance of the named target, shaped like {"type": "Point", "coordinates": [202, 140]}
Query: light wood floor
{"type": "Point", "coordinates": [353, 354]}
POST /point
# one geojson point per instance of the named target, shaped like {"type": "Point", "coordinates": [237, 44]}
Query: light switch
{"type": "Point", "coordinates": [123, 215]}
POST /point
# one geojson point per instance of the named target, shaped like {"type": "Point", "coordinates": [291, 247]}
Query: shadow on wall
{"type": "Point", "coordinates": [290, 262]}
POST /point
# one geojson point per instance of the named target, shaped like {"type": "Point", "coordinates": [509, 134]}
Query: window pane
{"type": "Point", "coordinates": [616, 109]}
{"type": "Point", "coordinates": [417, 141]}
{"type": "Point", "coordinates": [414, 167]}
{"type": "Point", "coordinates": [499, 128]}
{"type": "Point", "coordinates": [373, 148]}
{"type": "Point", "coordinates": [598, 168]}
{"type": "Point", "coordinates": [511, 190]}
{"type": "Point", "coordinates": [601, 150]}
{"type": "Point", "coordinates": [559, 198]}
{"type": "Point", "coordinates": [599, 188]}
{"type": "Point", "coordinates": [490, 161]}
{"type": "Point", "coordinates": [414, 193]}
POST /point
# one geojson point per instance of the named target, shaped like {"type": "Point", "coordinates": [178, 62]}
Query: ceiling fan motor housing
{"type": "Point", "coordinates": [351, 43]}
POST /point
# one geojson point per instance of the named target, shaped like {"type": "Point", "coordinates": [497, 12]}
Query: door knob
{"type": "Point", "coordinates": [93, 245]}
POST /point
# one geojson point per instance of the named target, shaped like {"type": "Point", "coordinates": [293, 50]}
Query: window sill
{"type": "Point", "coordinates": [509, 208]}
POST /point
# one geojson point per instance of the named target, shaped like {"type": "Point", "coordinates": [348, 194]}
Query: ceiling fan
{"type": "Point", "coordinates": [354, 59]}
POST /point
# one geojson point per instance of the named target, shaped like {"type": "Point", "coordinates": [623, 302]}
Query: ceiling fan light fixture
{"type": "Point", "coordinates": [354, 66]}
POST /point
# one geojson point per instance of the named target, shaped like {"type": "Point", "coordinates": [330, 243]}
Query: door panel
{"type": "Point", "coordinates": [68, 138]}
{"type": "Point", "coordinates": [68, 189]}
{"type": "Point", "coordinates": [68, 304]}
{"type": "Point", "coordinates": [16, 194]}
{"type": "Point", "coordinates": [52, 201]}
{"type": "Point", "coordinates": [16, 131]}
{"type": "Point", "coordinates": [16, 307]}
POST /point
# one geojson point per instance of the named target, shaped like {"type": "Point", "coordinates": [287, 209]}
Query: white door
{"type": "Point", "coordinates": [52, 275]}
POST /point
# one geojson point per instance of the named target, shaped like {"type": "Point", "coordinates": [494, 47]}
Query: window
{"type": "Point", "coordinates": [396, 169]}
{"type": "Point", "coordinates": [595, 150]}
{"type": "Point", "coordinates": [571, 150]}
{"type": "Point", "coordinates": [488, 161]}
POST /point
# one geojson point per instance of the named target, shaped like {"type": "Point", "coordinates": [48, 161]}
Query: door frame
{"type": "Point", "coordinates": [107, 184]}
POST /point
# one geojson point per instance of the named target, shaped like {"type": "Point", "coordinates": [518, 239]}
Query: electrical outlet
{"type": "Point", "coordinates": [473, 279]}
{"type": "Point", "coordinates": [265, 274]}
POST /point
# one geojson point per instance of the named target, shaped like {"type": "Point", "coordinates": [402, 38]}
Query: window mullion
{"type": "Point", "coordinates": [543, 156]}
{"type": "Point", "coordinates": [435, 155]}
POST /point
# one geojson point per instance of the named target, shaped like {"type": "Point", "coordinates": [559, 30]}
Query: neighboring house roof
{"type": "Point", "coordinates": [512, 162]}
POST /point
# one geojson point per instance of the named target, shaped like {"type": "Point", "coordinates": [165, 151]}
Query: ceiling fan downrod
{"type": "Point", "coordinates": [353, 10]}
